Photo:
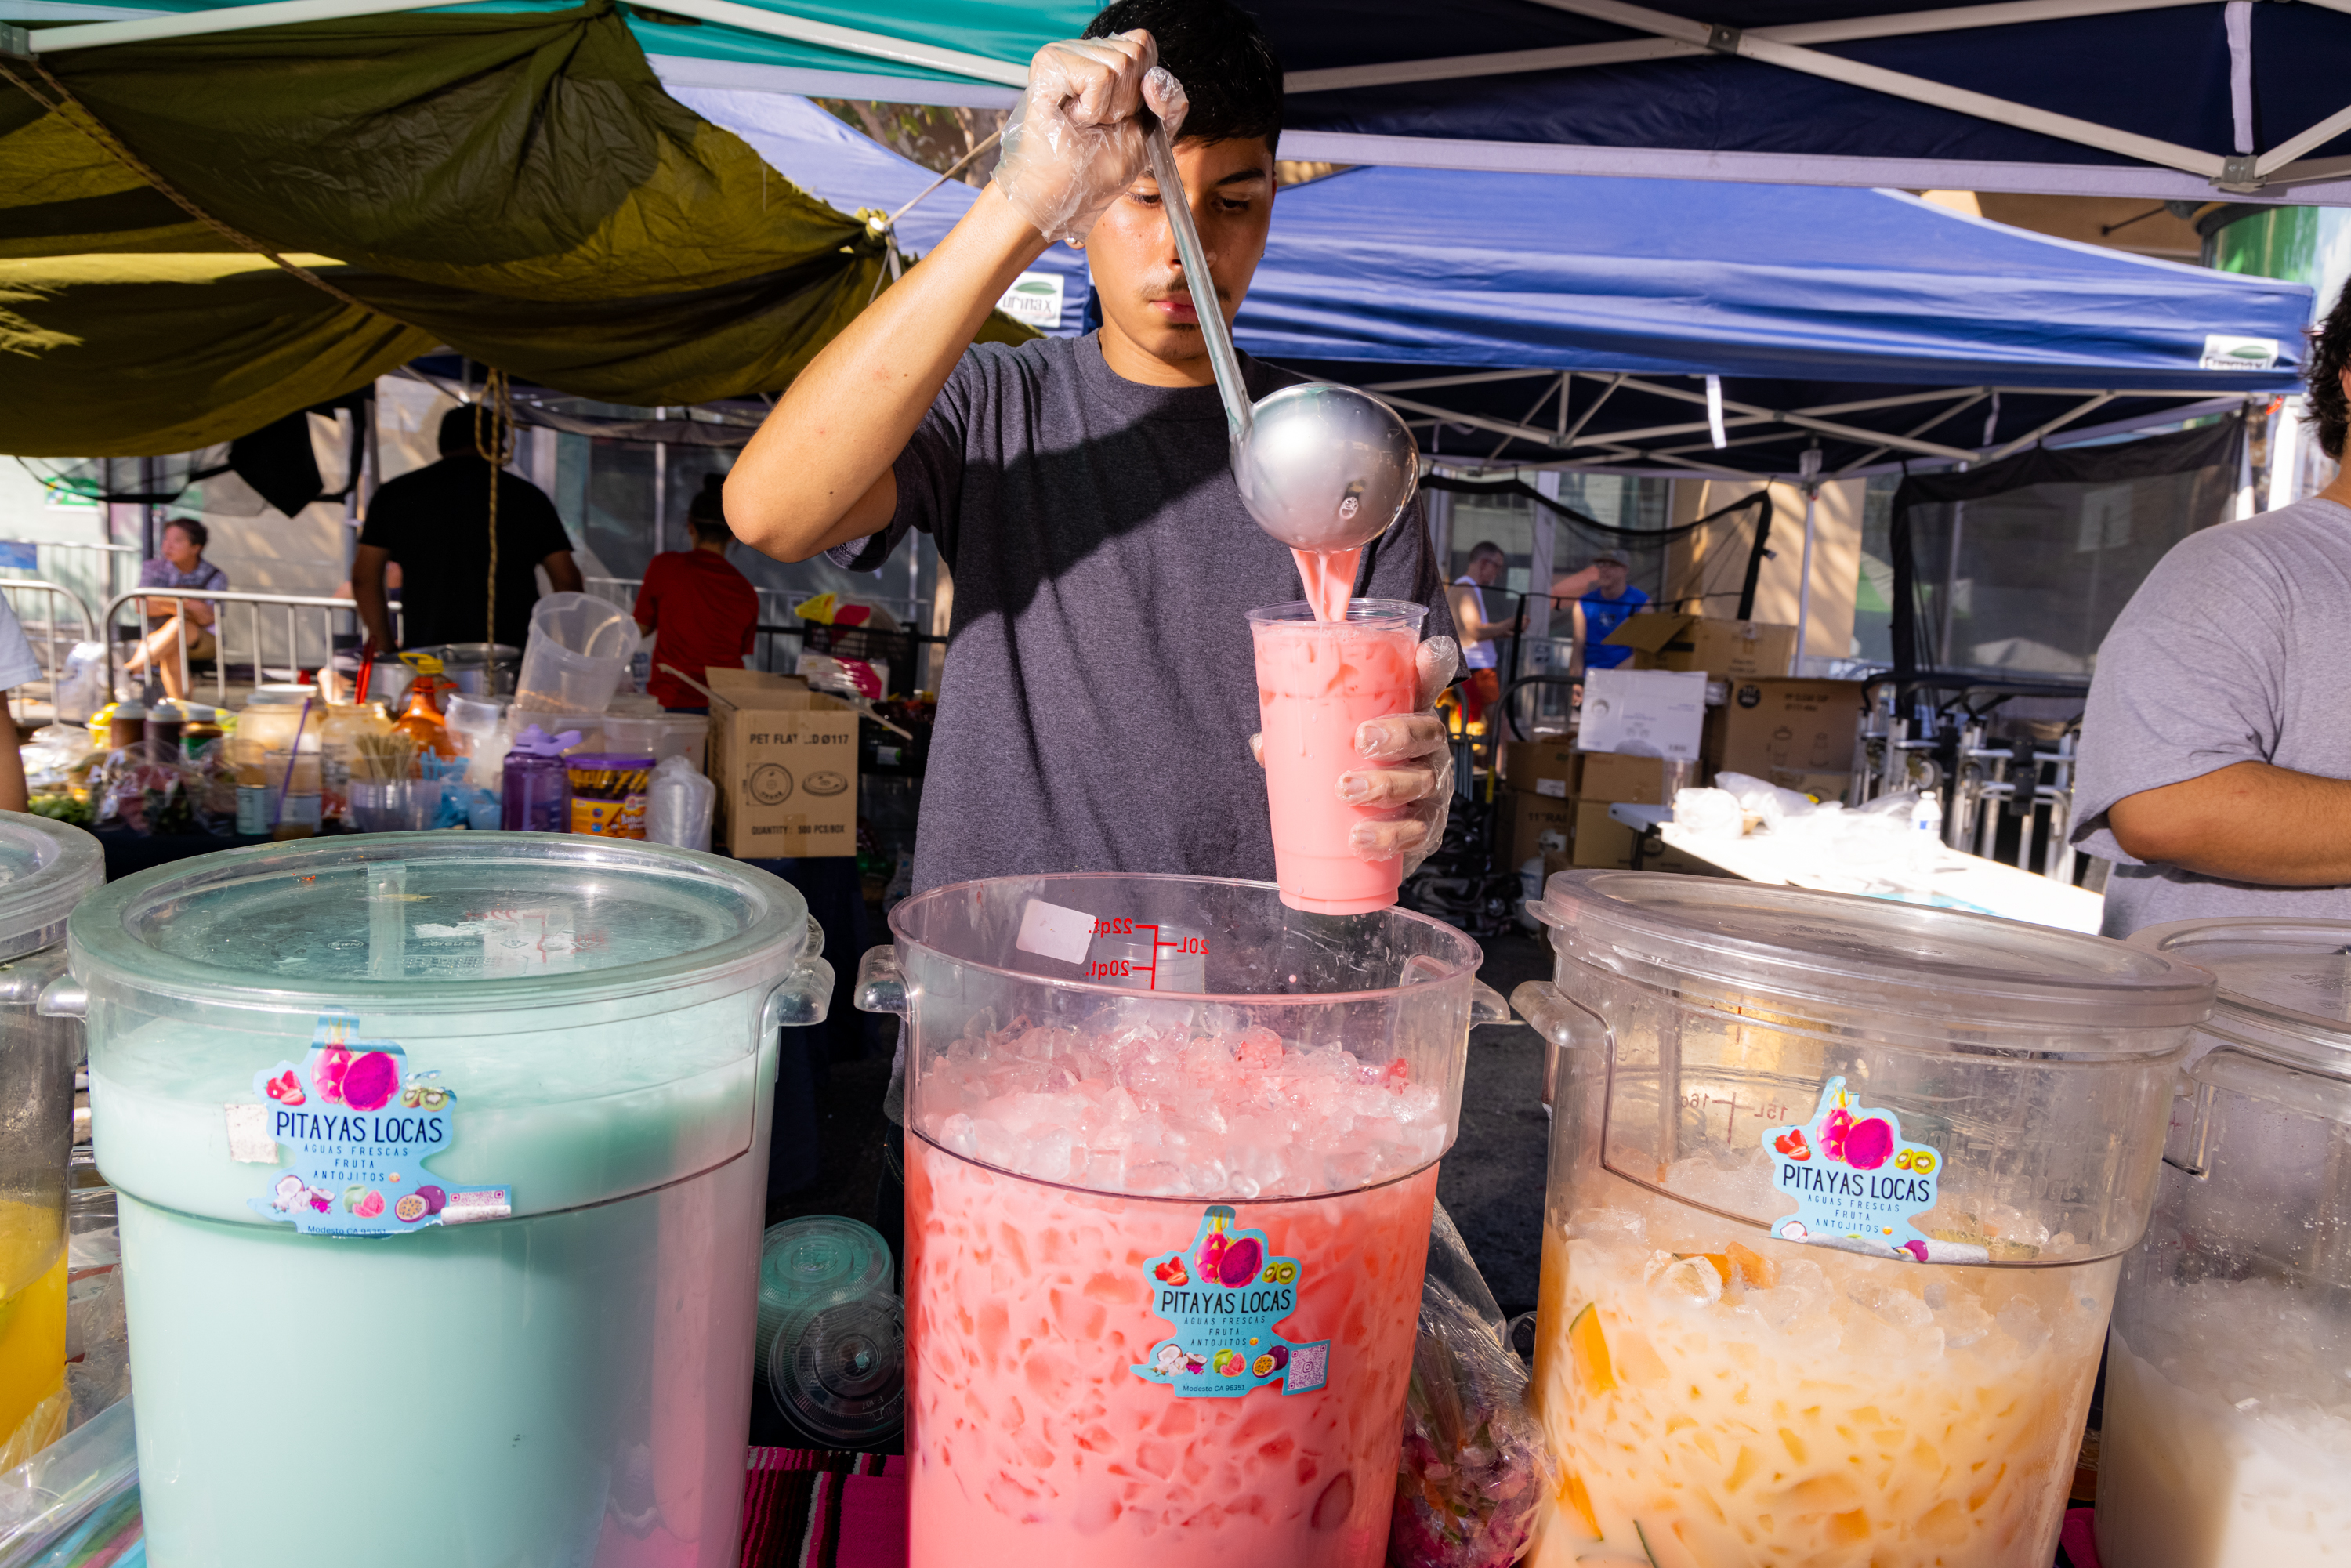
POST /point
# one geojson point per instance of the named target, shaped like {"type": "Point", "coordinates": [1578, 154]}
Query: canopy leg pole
{"type": "Point", "coordinates": [1804, 588]}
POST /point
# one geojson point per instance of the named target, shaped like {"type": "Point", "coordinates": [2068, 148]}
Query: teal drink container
{"type": "Point", "coordinates": [441, 1162]}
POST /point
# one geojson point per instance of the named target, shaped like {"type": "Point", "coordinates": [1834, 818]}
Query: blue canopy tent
{"type": "Point", "coordinates": [1604, 304]}
{"type": "Point", "coordinates": [2179, 99]}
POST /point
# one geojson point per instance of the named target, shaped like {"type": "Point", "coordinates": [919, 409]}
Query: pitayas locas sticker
{"type": "Point", "coordinates": [1224, 1293]}
{"type": "Point", "coordinates": [360, 1121]}
{"type": "Point", "coordinates": [1856, 1183]}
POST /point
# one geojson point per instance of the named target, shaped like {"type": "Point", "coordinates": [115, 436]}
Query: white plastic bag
{"type": "Point", "coordinates": [680, 804]}
{"type": "Point", "coordinates": [1710, 813]}
{"type": "Point", "coordinates": [81, 684]}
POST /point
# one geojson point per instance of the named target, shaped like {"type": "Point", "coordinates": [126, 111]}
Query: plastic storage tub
{"type": "Point", "coordinates": [46, 868]}
{"type": "Point", "coordinates": [2227, 1438]}
{"type": "Point", "coordinates": [442, 1161]}
{"type": "Point", "coordinates": [1839, 1190]}
{"type": "Point", "coordinates": [1164, 1245]}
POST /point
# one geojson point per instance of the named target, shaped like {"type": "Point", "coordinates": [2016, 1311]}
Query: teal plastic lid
{"type": "Point", "coordinates": [817, 1261]}
{"type": "Point", "coordinates": [46, 868]}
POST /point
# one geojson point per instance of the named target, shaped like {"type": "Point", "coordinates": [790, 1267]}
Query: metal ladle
{"type": "Point", "coordinates": [1321, 467]}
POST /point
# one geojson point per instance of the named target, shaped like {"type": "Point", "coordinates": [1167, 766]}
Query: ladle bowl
{"type": "Point", "coordinates": [1321, 467]}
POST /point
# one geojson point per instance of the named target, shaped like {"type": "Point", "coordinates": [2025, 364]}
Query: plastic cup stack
{"type": "Point", "coordinates": [832, 1332]}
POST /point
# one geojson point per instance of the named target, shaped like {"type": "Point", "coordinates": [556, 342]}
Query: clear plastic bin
{"type": "Point", "coordinates": [579, 650]}
{"type": "Point", "coordinates": [1164, 1249]}
{"type": "Point", "coordinates": [2227, 1437]}
{"type": "Point", "coordinates": [1839, 1190]}
{"type": "Point", "coordinates": [441, 1162]}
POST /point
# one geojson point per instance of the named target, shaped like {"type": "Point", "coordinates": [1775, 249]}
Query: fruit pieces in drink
{"type": "Point", "coordinates": [1850, 1411]}
{"type": "Point", "coordinates": [33, 1404]}
{"type": "Point", "coordinates": [1318, 681]}
{"type": "Point", "coordinates": [1032, 1443]}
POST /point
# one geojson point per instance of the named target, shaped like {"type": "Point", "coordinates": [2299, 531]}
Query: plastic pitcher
{"type": "Point", "coordinates": [1839, 1190]}
{"type": "Point", "coordinates": [1164, 1250]}
{"type": "Point", "coordinates": [579, 649]}
{"type": "Point", "coordinates": [46, 868]}
{"type": "Point", "coordinates": [1317, 682]}
{"type": "Point", "coordinates": [440, 1161]}
{"type": "Point", "coordinates": [2226, 1437]}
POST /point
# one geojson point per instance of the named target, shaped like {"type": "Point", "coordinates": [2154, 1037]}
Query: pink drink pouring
{"type": "Point", "coordinates": [1318, 681]}
{"type": "Point", "coordinates": [1050, 1413]}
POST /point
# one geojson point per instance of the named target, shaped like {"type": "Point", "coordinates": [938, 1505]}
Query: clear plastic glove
{"type": "Point", "coordinates": [1415, 776]}
{"type": "Point", "coordinates": [1074, 143]}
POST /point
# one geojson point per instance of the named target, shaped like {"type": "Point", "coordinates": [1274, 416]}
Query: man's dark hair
{"type": "Point", "coordinates": [2330, 355]}
{"type": "Point", "coordinates": [198, 535]}
{"type": "Point", "coordinates": [706, 512]}
{"type": "Point", "coordinates": [1220, 55]}
{"type": "Point", "coordinates": [457, 431]}
{"type": "Point", "coordinates": [1485, 548]}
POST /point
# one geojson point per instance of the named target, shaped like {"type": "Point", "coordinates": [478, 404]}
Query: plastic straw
{"type": "Point", "coordinates": [293, 756]}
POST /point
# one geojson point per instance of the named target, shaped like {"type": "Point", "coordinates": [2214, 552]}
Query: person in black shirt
{"type": "Point", "coordinates": [435, 523]}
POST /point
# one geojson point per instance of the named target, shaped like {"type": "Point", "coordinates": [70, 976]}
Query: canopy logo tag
{"type": "Point", "coordinates": [2226, 351]}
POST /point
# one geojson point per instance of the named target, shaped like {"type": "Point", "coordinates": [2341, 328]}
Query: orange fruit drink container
{"type": "Point", "coordinates": [1840, 1188]}
{"type": "Point", "coordinates": [1171, 1151]}
{"type": "Point", "coordinates": [1317, 682]}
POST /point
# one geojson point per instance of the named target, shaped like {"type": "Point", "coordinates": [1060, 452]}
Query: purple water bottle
{"type": "Point", "coordinates": [535, 791]}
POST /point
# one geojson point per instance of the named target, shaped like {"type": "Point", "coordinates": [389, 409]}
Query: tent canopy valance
{"type": "Point", "coordinates": [2181, 100]}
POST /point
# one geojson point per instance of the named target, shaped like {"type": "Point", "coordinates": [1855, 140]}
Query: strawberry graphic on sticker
{"type": "Point", "coordinates": [1792, 1144]}
{"type": "Point", "coordinates": [1171, 1273]}
{"type": "Point", "coordinates": [285, 1089]}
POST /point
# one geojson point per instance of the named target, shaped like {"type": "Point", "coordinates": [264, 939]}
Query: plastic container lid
{"type": "Point", "coordinates": [817, 1261]}
{"type": "Point", "coordinates": [46, 869]}
{"type": "Point", "coordinates": [1944, 969]}
{"type": "Point", "coordinates": [2285, 985]}
{"type": "Point", "coordinates": [840, 1372]}
{"type": "Point", "coordinates": [311, 924]}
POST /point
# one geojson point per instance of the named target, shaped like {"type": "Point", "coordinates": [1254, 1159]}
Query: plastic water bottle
{"type": "Point", "coordinates": [535, 784]}
{"type": "Point", "coordinates": [679, 805]}
{"type": "Point", "coordinates": [1927, 831]}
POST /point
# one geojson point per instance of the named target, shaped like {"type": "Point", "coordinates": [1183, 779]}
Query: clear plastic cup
{"type": "Point", "coordinates": [1164, 1249]}
{"type": "Point", "coordinates": [817, 1260]}
{"type": "Point", "coordinates": [579, 650]}
{"type": "Point", "coordinates": [839, 1371]}
{"type": "Point", "coordinates": [394, 805]}
{"type": "Point", "coordinates": [1317, 682]}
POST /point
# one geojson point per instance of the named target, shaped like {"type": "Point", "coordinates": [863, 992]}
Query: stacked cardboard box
{"type": "Point", "coordinates": [1797, 734]}
{"type": "Point", "coordinates": [785, 760]}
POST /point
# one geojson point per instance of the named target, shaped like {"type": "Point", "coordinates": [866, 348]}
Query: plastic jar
{"type": "Point", "coordinates": [1839, 1190]}
{"type": "Point", "coordinates": [2226, 1437]}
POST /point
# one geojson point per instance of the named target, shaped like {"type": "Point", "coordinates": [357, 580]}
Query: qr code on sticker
{"type": "Point", "coordinates": [1309, 1364]}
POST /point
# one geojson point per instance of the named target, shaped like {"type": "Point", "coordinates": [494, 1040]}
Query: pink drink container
{"type": "Point", "coordinates": [1317, 682]}
{"type": "Point", "coordinates": [1164, 1249]}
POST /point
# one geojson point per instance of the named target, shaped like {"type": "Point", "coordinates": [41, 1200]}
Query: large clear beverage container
{"type": "Point", "coordinates": [1171, 1153]}
{"type": "Point", "coordinates": [2226, 1441]}
{"type": "Point", "coordinates": [46, 868]}
{"type": "Point", "coordinates": [1839, 1190]}
{"type": "Point", "coordinates": [441, 1162]}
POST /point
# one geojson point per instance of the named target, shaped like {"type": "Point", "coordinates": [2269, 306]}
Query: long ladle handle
{"type": "Point", "coordinates": [1222, 359]}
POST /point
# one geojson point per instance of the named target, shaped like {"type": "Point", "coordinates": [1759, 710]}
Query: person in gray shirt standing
{"type": "Point", "coordinates": [2216, 751]}
{"type": "Point", "coordinates": [1101, 686]}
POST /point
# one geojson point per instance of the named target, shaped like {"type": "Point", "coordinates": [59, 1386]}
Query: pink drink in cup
{"type": "Point", "coordinates": [1317, 682]}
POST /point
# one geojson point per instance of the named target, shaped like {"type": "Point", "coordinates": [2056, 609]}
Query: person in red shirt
{"type": "Point", "coordinates": [705, 610]}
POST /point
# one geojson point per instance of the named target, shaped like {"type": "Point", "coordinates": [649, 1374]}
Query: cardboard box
{"type": "Point", "coordinates": [1545, 766]}
{"type": "Point", "coordinates": [1644, 713]}
{"type": "Point", "coordinates": [1612, 776]}
{"type": "Point", "coordinates": [1727, 650]}
{"type": "Point", "coordinates": [785, 762]}
{"type": "Point", "coordinates": [1603, 843]}
{"type": "Point", "coordinates": [1540, 824]}
{"type": "Point", "coordinates": [1789, 727]}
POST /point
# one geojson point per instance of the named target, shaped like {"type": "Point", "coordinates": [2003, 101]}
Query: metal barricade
{"type": "Point", "coordinates": [261, 610]}
{"type": "Point", "coordinates": [42, 634]}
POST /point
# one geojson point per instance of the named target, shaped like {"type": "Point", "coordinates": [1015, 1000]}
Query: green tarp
{"type": "Point", "coordinates": [516, 186]}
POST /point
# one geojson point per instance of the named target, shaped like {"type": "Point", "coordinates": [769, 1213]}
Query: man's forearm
{"type": "Point", "coordinates": [2246, 822]}
{"type": "Point", "coordinates": [847, 416]}
{"type": "Point", "coordinates": [375, 616]}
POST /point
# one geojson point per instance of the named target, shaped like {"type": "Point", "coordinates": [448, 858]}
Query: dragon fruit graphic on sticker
{"type": "Point", "coordinates": [1869, 1144]}
{"type": "Point", "coordinates": [326, 1073]}
{"type": "Point", "coordinates": [370, 1081]}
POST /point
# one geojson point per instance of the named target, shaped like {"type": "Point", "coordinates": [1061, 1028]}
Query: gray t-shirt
{"type": "Point", "coordinates": [1099, 687]}
{"type": "Point", "coordinates": [2236, 649]}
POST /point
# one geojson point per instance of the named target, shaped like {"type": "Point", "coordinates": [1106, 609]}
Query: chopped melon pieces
{"type": "Point", "coordinates": [1593, 1373]}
